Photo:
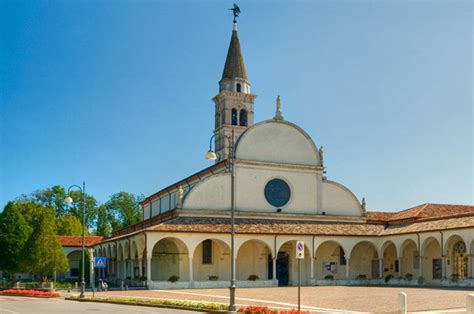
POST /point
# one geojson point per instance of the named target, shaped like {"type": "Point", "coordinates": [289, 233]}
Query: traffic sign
{"type": "Point", "coordinates": [299, 249]}
{"type": "Point", "coordinates": [100, 262]}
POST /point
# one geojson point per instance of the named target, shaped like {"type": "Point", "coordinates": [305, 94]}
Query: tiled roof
{"type": "Point", "coordinates": [260, 226]}
{"type": "Point", "coordinates": [431, 225]}
{"type": "Point", "coordinates": [422, 212]}
{"type": "Point", "coordinates": [76, 241]}
{"type": "Point", "coordinates": [234, 63]}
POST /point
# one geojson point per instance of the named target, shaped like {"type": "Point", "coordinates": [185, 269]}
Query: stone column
{"type": "Point", "coordinates": [124, 265]}
{"type": "Point", "coordinates": [381, 268]}
{"type": "Point", "coordinates": [469, 266]}
{"type": "Point", "coordinates": [420, 268]}
{"type": "Point", "coordinates": [347, 268]}
{"type": "Point", "coordinates": [140, 267]}
{"type": "Point", "coordinates": [311, 274]}
{"type": "Point", "coordinates": [148, 268]}
{"type": "Point", "coordinates": [274, 268]}
{"type": "Point", "coordinates": [443, 267]}
{"type": "Point", "coordinates": [191, 277]}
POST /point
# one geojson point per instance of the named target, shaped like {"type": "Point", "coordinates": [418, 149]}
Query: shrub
{"type": "Point", "coordinates": [329, 277]}
{"type": "Point", "coordinates": [213, 278]}
{"type": "Point", "coordinates": [409, 277]}
{"type": "Point", "coordinates": [173, 278]}
{"type": "Point", "coordinates": [421, 280]}
{"type": "Point", "coordinates": [454, 277]}
{"type": "Point", "coordinates": [30, 293]}
{"type": "Point", "coordinates": [253, 309]}
{"type": "Point", "coordinates": [361, 276]}
{"type": "Point", "coordinates": [253, 278]}
{"type": "Point", "coordinates": [388, 278]}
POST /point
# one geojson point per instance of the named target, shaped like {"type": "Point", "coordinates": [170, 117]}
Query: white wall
{"type": "Point", "coordinates": [338, 200]}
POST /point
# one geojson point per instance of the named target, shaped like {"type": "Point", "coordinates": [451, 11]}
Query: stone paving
{"type": "Point", "coordinates": [321, 299]}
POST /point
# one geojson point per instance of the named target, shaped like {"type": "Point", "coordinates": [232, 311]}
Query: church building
{"type": "Point", "coordinates": [271, 176]}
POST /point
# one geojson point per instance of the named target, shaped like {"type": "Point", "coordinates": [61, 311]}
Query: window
{"type": "Point", "coordinates": [234, 116]}
{"type": "Point", "coordinates": [243, 117]}
{"type": "Point", "coordinates": [342, 258]}
{"type": "Point", "coordinates": [207, 252]}
{"type": "Point", "coordinates": [239, 88]}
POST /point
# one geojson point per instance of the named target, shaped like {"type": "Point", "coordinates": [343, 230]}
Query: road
{"type": "Point", "coordinates": [17, 305]}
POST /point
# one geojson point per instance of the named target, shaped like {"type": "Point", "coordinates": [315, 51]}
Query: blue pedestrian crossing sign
{"type": "Point", "coordinates": [99, 262]}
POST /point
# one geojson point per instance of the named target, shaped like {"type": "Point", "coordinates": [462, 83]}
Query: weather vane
{"type": "Point", "coordinates": [236, 11]}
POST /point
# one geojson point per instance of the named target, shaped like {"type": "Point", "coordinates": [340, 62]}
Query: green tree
{"type": "Point", "coordinates": [14, 232]}
{"type": "Point", "coordinates": [52, 197]}
{"type": "Point", "coordinates": [42, 253]}
{"type": "Point", "coordinates": [69, 225]}
{"type": "Point", "coordinates": [75, 208]}
{"type": "Point", "coordinates": [103, 224]}
{"type": "Point", "coordinates": [123, 210]}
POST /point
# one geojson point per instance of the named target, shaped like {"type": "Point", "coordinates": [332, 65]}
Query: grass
{"type": "Point", "coordinates": [178, 304]}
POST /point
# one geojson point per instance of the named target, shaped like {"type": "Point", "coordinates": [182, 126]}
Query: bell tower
{"type": "Point", "coordinates": [234, 103]}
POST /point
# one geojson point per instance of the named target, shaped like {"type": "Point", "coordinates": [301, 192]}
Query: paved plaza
{"type": "Point", "coordinates": [323, 299]}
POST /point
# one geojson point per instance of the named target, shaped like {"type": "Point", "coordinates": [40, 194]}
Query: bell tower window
{"type": "Point", "coordinates": [234, 116]}
{"type": "Point", "coordinates": [243, 117]}
{"type": "Point", "coordinates": [239, 88]}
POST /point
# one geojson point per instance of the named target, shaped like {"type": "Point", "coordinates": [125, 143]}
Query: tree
{"type": "Point", "coordinates": [75, 208]}
{"type": "Point", "coordinates": [52, 197]}
{"type": "Point", "coordinates": [42, 253]}
{"type": "Point", "coordinates": [69, 225]}
{"type": "Point", "coordinates": [14, 232]}
{"type": "Point", "coordinates": [123, 210]}
{"type": "Point", "coordinates": [103, 225]}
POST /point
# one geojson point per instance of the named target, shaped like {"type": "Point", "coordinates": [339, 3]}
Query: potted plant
{"type": "Point", "coordinates": [213, 278]}
{"type": "Point", "coordinates": [173, 278]}
{"type": "Point", "coordinates": [253, 278]}
{"type": "Point", "coordinates": [329, 277]}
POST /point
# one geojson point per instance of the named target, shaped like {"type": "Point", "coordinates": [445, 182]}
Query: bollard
{"type": "Point", "coordinates": [402, 303]}
{"type": "Point", "coordinates": [470, 304]}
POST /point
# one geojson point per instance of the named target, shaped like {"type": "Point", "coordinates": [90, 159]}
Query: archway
{"type": "Point", "coordinates": [364, 261]}
{"type": "Point", "coordinates": [410, 259]}
{"type": "Point", "coordinates": [254, 261]}
{"type": "Point", "coordinates": [74, 259]}
{"type": "Point", "coordinates": [170, 258]}
{"type": "Point", "coordinates": [457, 255]}
{"type": "Point", "coordinates": [287, 265]}
{"type": "Point", "coordinates": [391, 265]}
{"type": "Point", "coordinates": [330, 260]}
{"type": "Point", "coordinates": [432, 261]}
{"type": "Point", "coordinates": [211, 261]}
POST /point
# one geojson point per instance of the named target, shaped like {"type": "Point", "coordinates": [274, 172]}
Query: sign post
{"type": "Point", "coordinates": [299, 257]}
{"type": "Point", "coordinates": [100, 263]}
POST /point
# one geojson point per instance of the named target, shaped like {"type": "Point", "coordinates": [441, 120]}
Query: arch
{"type": "Point", "coordinates": [409, 255]}
{"type": "Point", "coordinates": [390, 262]}
{"type": "Point", "coordinates": [364, 260]}
{"type": "Point", "coordinates": [432, 260]}
{"type": "Point", "coordinates": [277, 141]}
{"type": "Point", "coordinates": [456, 251]}
{"type": "Point", "coordinates": [330, 260]}
{"type": "Point", "coordinates": [74, 258]}
{"type": "Point", "coordinates": [213, 264]}
{"type": "Point", "coordinates": [234, 116]}
{"type": "Point", "coordinates": [253, 258]}
{"type": "Point", "coordinates": [286, 269]}
{"type": "Point", "coordinates": [170, 257]}
{"type": "Point", "coordinates": [243, 117]}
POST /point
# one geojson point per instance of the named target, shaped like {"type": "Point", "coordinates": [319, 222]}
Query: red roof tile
{"type": "Point", "coordinates": [76, 241]}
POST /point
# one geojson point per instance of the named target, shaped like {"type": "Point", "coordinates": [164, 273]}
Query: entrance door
{"type": "Point", "coordinates": [282, 264]}
{"type": "Point", "coordinates": [437, 268]}
{"type": "Point", "coordinates": [375, 268]}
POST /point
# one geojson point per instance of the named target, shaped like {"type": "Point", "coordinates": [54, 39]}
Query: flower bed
{"type": "Point", "coordinates": [30, 293]}
{"type": "Point", "coordinates": [252, 309]}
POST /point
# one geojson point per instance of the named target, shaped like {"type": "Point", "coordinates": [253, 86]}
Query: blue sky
{"type": "Point", "coordinates": [118, 93]}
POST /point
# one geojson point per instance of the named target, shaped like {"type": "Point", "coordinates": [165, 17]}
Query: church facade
{"type": "Point", "coordinates": [273, 175]}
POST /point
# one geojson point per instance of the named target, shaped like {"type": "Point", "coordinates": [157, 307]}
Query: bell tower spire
{"type": "Point", "coordinates": [234, 103]}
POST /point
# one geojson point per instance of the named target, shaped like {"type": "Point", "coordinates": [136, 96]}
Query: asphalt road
{"type": "Point", "coordinates": [16, 305]}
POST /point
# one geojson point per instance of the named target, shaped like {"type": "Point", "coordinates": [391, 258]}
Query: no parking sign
{"type": "Point", "coordinates": [299, 249]}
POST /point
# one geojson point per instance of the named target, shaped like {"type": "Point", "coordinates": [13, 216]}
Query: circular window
{"type": "Point", "coordinates": [277, 192]}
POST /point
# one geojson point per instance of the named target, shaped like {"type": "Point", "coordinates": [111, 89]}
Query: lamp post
{"type": "Point", "coordinates": [68, 199]}
{"type": "Point", "coordinates": [211, 155]}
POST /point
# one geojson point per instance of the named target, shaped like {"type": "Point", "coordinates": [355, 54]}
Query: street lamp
{"type": "Point", "coordinates": [211, 155]}
{"type": "Point", "coordinates": [68, 199]}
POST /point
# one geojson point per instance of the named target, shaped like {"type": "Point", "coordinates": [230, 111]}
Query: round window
{"type": "Point", "coordinates": [277, 192]}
